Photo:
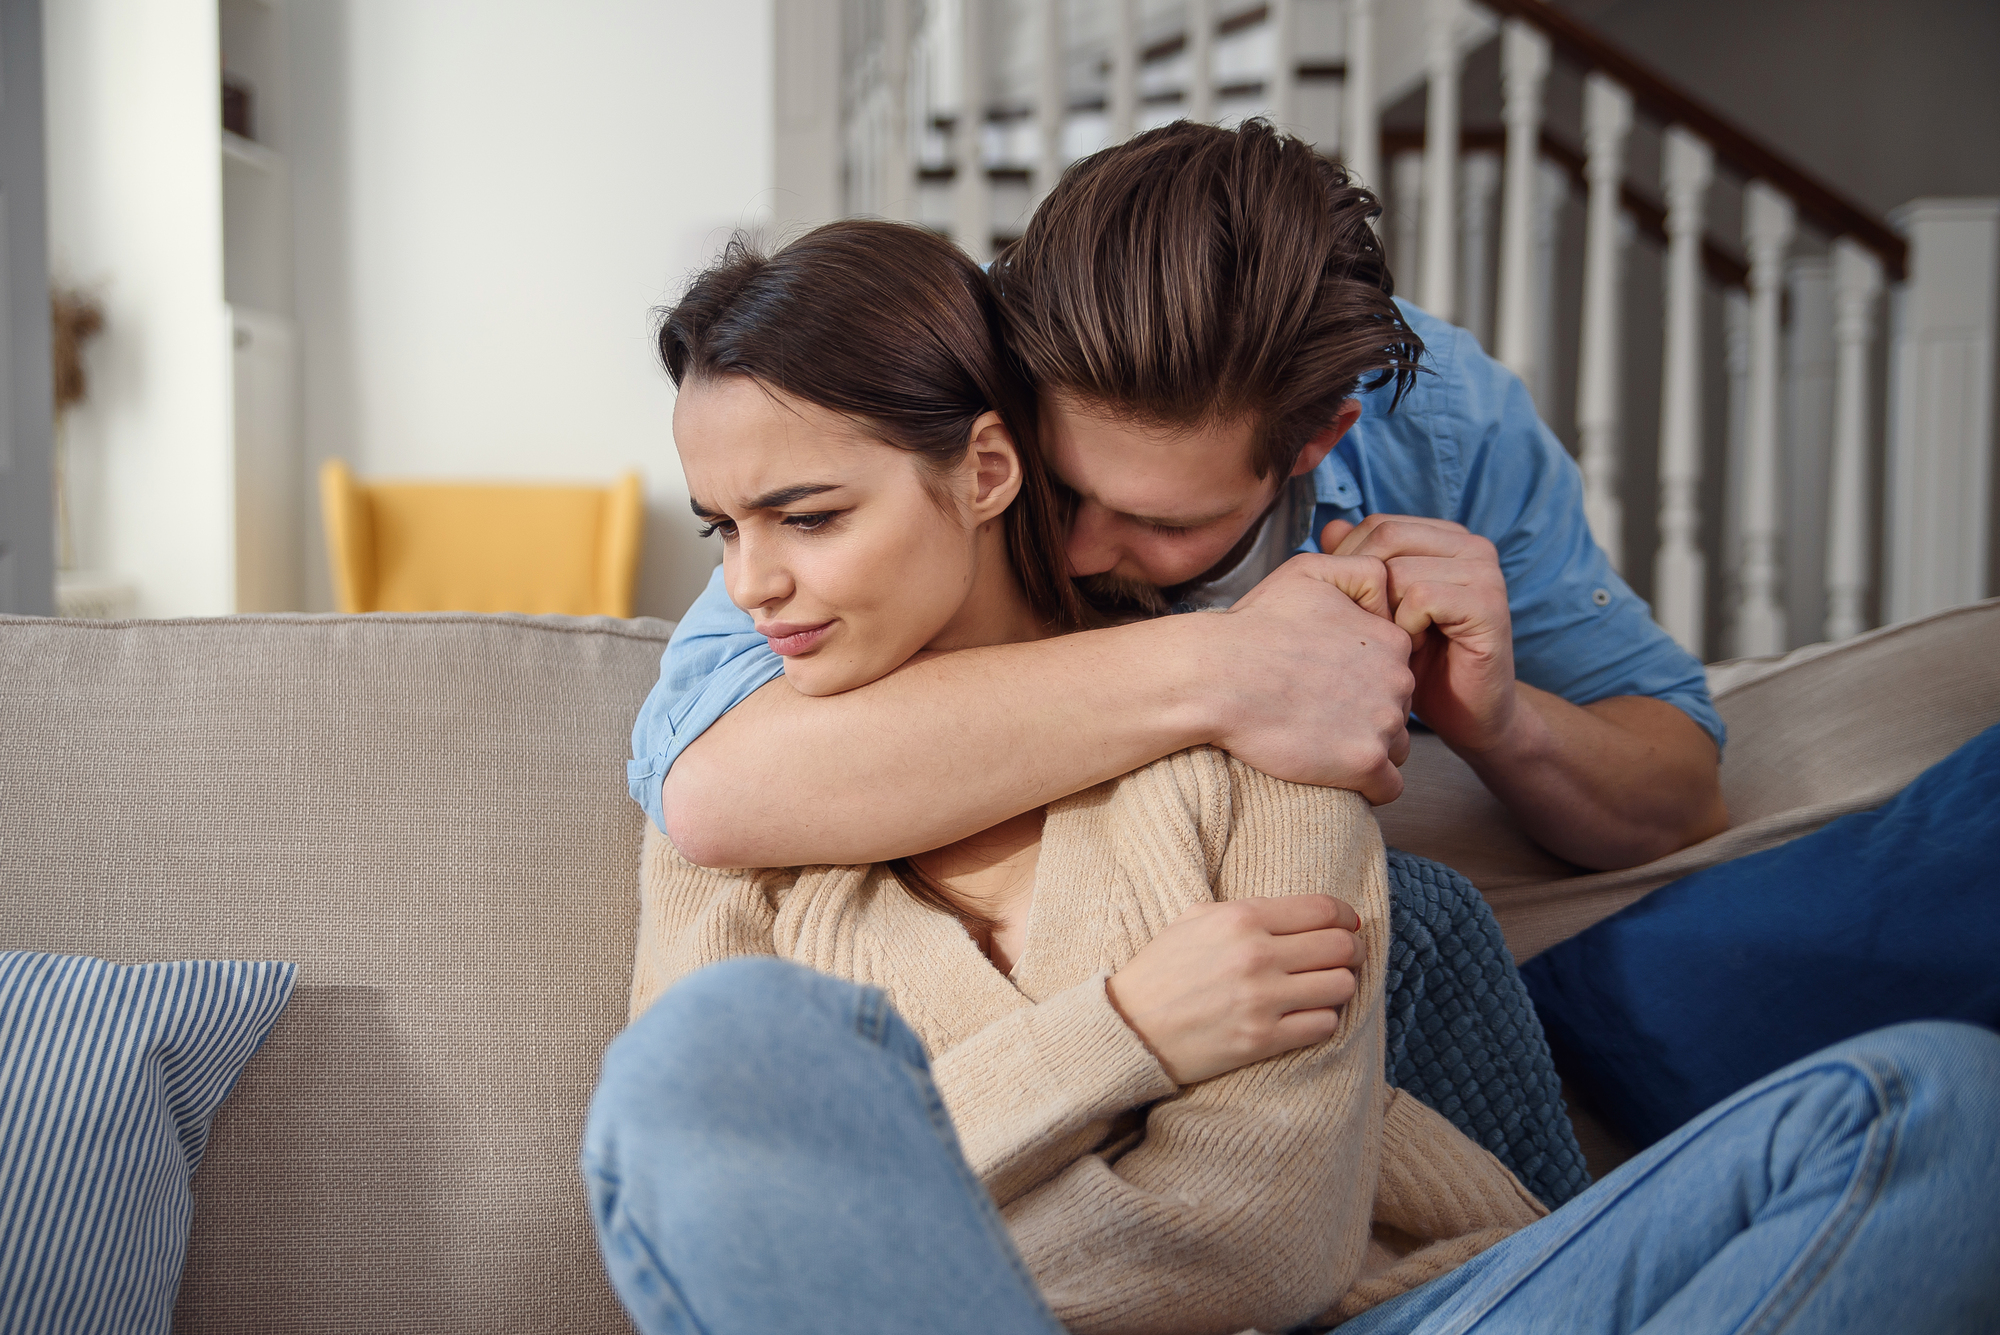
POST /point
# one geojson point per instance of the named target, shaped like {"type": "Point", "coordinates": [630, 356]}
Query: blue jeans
{"type": "Point", "coordinates": [766, 1152]}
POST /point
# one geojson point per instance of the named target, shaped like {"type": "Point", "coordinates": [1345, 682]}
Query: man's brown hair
{"type": "Point", "coordinates": [1195, 275]}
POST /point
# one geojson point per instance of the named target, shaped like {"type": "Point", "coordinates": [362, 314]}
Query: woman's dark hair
{"type": "Point", "coordinates": [895, 328]}
{"type": "Point", "coordinates": [1194, 274]}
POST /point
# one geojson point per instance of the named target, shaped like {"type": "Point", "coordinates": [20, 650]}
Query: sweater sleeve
{"type": "Point", "coordinates": [691, 917]}
{"type": "Point", "coordinates": [1037, 1088]}
{"type": "Point", "coordinates": [1248, 1199]}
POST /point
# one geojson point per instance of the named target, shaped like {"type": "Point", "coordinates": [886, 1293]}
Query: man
{"type": "Point", "coordinates": [1183, 301]}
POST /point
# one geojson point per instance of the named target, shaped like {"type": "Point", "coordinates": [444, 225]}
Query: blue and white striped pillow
{"type": "Point", "coordinates": [109, 1075]}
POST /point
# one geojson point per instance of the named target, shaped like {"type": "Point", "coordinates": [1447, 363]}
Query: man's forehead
{"type": "Point", "coordinates": [1188, 474]}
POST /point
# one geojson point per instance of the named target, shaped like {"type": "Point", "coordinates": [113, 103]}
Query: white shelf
{"type": "Point", "coordinates": [250, 153]}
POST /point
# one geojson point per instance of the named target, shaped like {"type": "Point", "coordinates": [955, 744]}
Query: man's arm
{"type": "Point", "coordinates": [1612, 783]}
{"type": "Point", "coordinates": [1303, 680]}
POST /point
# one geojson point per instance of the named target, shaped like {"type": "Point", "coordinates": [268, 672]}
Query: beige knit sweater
{"type": "Point", "coordinates": [1242, 1201]}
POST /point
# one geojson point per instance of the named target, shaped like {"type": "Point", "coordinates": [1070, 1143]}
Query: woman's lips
{"type": "Point", "coordinates": [788, 640]}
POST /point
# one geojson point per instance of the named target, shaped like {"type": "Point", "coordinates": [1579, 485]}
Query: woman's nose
{"type": "Point", "coordinates": [754, 577]}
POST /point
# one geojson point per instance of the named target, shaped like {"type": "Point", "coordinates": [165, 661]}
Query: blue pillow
{"type": "Point", "coordinates": [109, 1075]}
{"type": "Point", "coordinates": [1713, 982]}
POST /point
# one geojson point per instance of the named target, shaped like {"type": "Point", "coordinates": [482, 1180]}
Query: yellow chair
{"type": "Point", "coordinates": [437, 547]}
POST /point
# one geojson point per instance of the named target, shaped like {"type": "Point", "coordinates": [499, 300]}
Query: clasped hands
{"type": "Point", "coordinates": [1395, 613]}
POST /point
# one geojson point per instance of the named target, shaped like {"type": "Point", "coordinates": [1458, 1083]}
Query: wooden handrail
{"type": "Point", "coordinates": [1827, 207]}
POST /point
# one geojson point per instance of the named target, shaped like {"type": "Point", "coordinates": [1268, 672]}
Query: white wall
{"type": "Point", "coordinates": [491, 195]}
{"type": "Point", "coordinates": [135, 209]}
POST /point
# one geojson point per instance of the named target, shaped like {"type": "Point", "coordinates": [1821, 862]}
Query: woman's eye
{"type": "Point", "coordinates": [808, 523]}
{"type": "Point", "coordinates": [726, 527]}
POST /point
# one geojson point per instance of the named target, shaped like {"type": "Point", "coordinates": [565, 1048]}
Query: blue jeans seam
{"type": "Point", "coordinates": [1870, 1178]}
{"type": "Point", "coordinates": [617, 1225]}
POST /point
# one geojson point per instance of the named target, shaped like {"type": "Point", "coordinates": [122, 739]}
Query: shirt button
{"type": "Point", "coordinates": [1602, 597]}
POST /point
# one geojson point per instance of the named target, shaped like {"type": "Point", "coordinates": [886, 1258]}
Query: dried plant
{"type": "Point", "coordinates": [75, 319]}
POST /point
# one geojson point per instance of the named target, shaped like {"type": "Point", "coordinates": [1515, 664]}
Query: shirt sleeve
{"type": "Point", "coordinates": [1579, 630]}
{"type": "Point", "coordinates": [714, 661]}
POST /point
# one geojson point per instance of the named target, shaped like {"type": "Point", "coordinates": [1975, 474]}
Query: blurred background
{"type": "Point", "coordinates": [1746, 255]}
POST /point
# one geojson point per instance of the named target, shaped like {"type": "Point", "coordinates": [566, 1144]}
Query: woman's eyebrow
{"type": "Point", "coordinates": [770, 500]}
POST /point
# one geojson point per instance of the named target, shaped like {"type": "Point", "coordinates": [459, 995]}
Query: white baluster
{"type": "Point", "coordinates": [1360, 118]}
{"type": "Point", "coordinates": [1607, 120]}
{"type": "Point", "coordinates": [1200, 102]}
{"type": "Point", "coordinates": [1939, 506]}
{"type": "Point", "coordinates": [1524, 63]}
{"type": "Point", "coordinates": [1281, 94]}
{"type": "Point", "coordinates": [1551, 194]}
{"type": "Point", "coordinates": [1406, 251]}
{"type": "Point", "coordinates": [1481, 181]}
{"type": "Point", "coordinates": [1441, 61]}
{"type": "Point", "coordinates": [1051, 104]}
{"type": "Point", "coordinates": [1735, 446]}
{"type": "Point", "coordinates": [972, 211]}
{"type": "Point", "coordinates": [1679, 574]}
{"type": "Point", "coordinates": [1124, 101]}
{"type": "Point", "coordinates": [1806, 452]}
{"type": "Point", "coordinates": [1857, 283]}
{"type": "Point", "coordinates": [1768, 224]}
{"type": "Point", "coordinates": [899, 179]}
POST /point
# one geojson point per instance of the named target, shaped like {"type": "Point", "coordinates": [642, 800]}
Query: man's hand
{"type": "Point", "coordinates": [1226, 985]}
{"type": "Point", "coordinates": [1613, 783]}
{"type": "Point", "coordinates": [1319, 682]}
{"type": "Point", "coordinates": [1447, 592]}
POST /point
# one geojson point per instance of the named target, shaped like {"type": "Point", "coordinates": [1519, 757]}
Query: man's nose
{"type": "Point", "coordinates": [1092, 548]}
{"type": "Point", "coordinates": [755, 578]}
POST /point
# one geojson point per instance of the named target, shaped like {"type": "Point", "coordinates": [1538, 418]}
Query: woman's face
{"type": "Point", "coordinates": [832, 541]}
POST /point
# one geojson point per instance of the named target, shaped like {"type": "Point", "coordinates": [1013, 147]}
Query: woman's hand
{"type": "Point", "coordinates": [1230, 984]}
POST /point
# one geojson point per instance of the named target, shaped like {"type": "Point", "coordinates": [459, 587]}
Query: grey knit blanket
{"type": "Point", "coordinates": [1463, 1035]}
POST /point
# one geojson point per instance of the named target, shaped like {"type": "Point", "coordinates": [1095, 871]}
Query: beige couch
{"type": "Point", "coordinates": [428, 813]}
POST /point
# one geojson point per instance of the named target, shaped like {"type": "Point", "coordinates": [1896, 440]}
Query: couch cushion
{"type": "Point", "coordinates": [1711, 983]}
{"type": "Point", "coordinates": [1813, 735]}
{"type": "Point", "coordinates": [428, 813]}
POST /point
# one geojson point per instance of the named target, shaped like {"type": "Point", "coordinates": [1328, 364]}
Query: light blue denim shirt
{"type": "Point", "coordinates": [1464, 444]}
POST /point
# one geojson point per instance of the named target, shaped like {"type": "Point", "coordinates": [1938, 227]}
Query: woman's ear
{"type": "Point", "coordinates": [996, 467]}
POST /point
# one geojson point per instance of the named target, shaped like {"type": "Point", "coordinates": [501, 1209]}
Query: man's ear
{"type": "Point", "coordinates": [1326, 438]}
{"type": "Point", "coordinates": [996, 467]}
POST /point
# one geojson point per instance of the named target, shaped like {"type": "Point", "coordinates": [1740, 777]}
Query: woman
{"type": "Point", "coordinates": [1167, 1158]}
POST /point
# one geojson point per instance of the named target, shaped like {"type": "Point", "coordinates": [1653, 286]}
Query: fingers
{"type": "Point", "coordinates": [1314, 991]}
{"type": "Point", "coordinates": [1282, 915]}
{"type": "Point", "coordinates": [1330, 536]}
{"type": "Point", "coordinates": [1385, 536]}
{"type": "Point", "coordinates": [1310, 952]}
{"type": "Point", "coordinates": [1362, 578]}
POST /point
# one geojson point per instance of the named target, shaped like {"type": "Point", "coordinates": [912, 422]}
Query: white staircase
{"type": "Point", "coordinates": [1851, 348]}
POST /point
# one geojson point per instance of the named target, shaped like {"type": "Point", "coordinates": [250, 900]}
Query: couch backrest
{"type": "Point", "coordinates": [428, 813]}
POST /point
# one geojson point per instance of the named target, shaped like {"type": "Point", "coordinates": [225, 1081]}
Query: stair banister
{"type": "Point", "coordinates": [1524, 64]}
{"type": "Point", "coordinates": [1051, 101]}
{"type": "Point", "coordinates": [1281, 87]}
{"type": "Point", "coordinates": [972, 190]}
{"type": "Point", "coordinates": [1857, 287]}
{"type": "Point", "coordinates": [1679, 580]}
{"type": "Point", "coordinates": [1607, 120]}
{"type": "Point", "coordinates": [1439, 214]}
{"type": "Point", "coordinates": [1815, 201]}
{"type": "Point", "coordinates": [1200, 102]}
{"type": "Point", "coordinates": [1769, 225]}
{"type": "Point", "coordinates": [1124, 102]}
{"type": "Point", "coordinates": [1360, 116]}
